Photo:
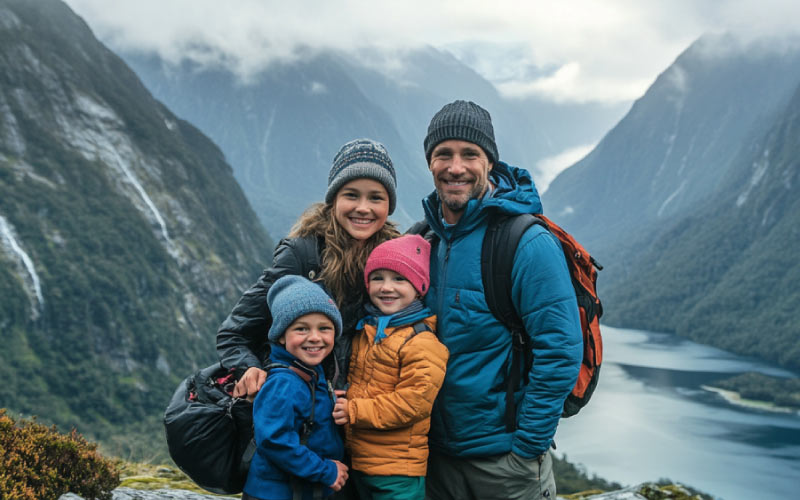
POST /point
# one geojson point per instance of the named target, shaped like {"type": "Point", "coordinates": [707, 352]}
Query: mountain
{"type": "Point", "coordinates": [282, 133]}
{"type": "Point", "coordinates": [688, 201]}
{"type": "Point", "coordinates": [677, 144]}
{"type": "Point", "coordinates": [124, 237]}
{"type": "Point", "coordinates": [280, 129]}
{"type": "Point", "coordinates": [726, 273]}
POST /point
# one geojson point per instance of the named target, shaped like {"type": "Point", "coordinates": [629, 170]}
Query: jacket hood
{"type": "Point", "coordinates": [514, 193]}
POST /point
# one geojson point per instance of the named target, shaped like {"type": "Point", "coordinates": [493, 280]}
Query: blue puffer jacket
{"type": "Point", "coordinates": [468, 416]}
{"type": "Point", "coordinates": [280, 408]}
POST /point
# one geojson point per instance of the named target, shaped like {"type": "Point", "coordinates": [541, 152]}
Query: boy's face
{"type": "Point", "coordinates": [390, 291]}
{"type": "Point", "coordinates": [310, 338]}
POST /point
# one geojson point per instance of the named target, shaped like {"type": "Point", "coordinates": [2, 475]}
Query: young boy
{"type": "Point", "coordinates": [396, 369]}
{"type": "Point", "coordinates": [289, 460]}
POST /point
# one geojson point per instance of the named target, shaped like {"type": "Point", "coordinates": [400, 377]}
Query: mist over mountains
{"type": "Point", "coordinates": [281, 128]}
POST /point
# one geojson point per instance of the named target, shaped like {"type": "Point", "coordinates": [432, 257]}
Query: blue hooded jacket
{"type": "Point", "coordinates": [468, 416]}
{"type": "Point", "coordinates": [279, 410]}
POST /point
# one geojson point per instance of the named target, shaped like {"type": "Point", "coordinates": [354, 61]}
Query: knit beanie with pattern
{"type": "Point", "coordinates": [358, 159]}
{"type": "Point", "coordinates": [293, 296]}
{"type": "Point", "coordinates": [408, 256]}
{"type": "Point", "coordinates": [465, 121]}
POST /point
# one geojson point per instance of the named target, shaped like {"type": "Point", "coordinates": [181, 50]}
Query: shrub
{"type": "Point", "coordinates": [38, 463]}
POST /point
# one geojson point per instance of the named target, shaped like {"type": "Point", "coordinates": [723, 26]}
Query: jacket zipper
{"type": "Point", "coordinates": [442, 288]}
{"type": "Point", "coordinates": [443, 280]}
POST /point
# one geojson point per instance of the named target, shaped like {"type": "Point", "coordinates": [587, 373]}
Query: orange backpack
{"type": "Point", "coordinates": [497, 258]}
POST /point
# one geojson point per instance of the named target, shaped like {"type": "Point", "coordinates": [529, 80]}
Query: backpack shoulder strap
{"type": "Point", "coordinates": [419, 327]}
{"type": "Point", "coordinates": [308, 424]}
{"type": "Point", "coordinates": [498, 249]}
{"type": "Point", "coordinates": [423, 229]}
{"type": "Point", "coordinates": [503, 235]}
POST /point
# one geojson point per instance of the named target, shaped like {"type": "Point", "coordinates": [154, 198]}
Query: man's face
{"type": "Point", "coordinates": [460, 172]}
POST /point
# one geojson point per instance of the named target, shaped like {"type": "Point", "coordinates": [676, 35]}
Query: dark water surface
{"type": "Point", "coordinates": [650, 419]}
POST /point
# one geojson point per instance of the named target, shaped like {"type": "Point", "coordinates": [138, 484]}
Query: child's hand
{"type": "Point", "coordinates": [341, 475]}
{"type": "Point", "coordinates": [341, 415]}
{"type": "Point", "coordinates": [250, 383]}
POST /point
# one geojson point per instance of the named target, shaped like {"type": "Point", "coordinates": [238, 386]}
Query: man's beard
{"type": "Point", "coordinates": [459, 203]}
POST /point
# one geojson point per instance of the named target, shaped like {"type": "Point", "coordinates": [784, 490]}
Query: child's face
{"type": "Point", "coordinates": [310, 338]}
{"type": "Point", "coordinates": [390, 291]}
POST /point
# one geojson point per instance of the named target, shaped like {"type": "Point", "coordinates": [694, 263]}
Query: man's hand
{"type": "Point", "coordinates": [341, 475]}
{"type": "Point", "coordinates": [341, 415]}
{"type": "Point", "coordinates": [250, 383]}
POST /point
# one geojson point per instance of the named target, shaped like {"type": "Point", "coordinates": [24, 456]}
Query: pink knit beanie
{"type": "Point", "coordinates": [408, 256]}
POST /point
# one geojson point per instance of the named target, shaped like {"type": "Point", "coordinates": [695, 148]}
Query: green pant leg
{"type": "Point", "coordinates": [388, 487]}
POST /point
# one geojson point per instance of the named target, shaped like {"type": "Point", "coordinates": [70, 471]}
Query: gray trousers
{"type": "Point", "coordinates": [501, 477]}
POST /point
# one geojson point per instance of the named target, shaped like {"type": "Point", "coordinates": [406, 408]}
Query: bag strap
{"type": "Point", "coordinates": [310, 381]}
{"type": "Point", "coordinates": [307, 426]}
{"type": "Point", "coordinates": [498, 249]}
{"type": "Point", "coordinates": [423, 229]}
{"type": "Point", "coordinates": [419, 327]}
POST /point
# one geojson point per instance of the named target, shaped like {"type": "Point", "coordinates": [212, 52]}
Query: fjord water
{"type": "Point", "coordinates": [650, 419]}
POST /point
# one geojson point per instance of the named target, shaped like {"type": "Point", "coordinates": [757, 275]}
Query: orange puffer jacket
{"type": "Point", "coordinates": [392, 388]}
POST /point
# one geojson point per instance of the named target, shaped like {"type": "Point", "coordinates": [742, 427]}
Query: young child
{"type": "Point", "coordinates": [305, 323]}
{"type": "Point", "coordinates": [396, 369]}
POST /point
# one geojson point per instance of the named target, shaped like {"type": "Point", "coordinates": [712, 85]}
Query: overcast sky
{"type": "Point", "coordinates": [569, 50]}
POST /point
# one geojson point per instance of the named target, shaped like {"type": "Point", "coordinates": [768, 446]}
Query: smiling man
{"type": "Point", "coordinates": [475, 452]}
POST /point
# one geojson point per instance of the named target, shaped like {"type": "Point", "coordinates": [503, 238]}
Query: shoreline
{"type": "Point", "coordinates": [735, 398]}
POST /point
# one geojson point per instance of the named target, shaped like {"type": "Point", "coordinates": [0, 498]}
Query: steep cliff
{"type": "Point", "coordinates": [124, 237]}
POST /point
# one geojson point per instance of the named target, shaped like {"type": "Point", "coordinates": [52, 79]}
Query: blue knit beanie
{"type": "Point", "coordinates": [293, 296]}
{"type": "Point", "coordinates": [465, 121]}
{"type": "Point", "coordinates": [358, 159]}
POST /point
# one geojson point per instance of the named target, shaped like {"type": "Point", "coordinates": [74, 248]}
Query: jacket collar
{"type": "Point", "coordinates": [414, 313]}
{"type": "Point", "coordinates": [279, 354]}
{"type": "Point", "coordinates": [514, 193]}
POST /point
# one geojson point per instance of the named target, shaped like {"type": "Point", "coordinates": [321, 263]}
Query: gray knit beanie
{"type": "Point", "coordinates": [293, 296]}
{"type": "Point", "coordinates": [465, 121]}
{"type": "Point", "coordinates": [358, 159]}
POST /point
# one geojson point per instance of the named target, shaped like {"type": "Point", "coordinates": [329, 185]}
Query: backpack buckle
{"type": "Point", "coordinates": [517, 339]}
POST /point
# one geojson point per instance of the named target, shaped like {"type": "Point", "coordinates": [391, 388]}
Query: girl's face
{"type": "Point", "coordinates": [361, 207]}
{"type": "Point", "coordinates": [310, 338]}
{"type": "Point", "coordinates": [390, 291]}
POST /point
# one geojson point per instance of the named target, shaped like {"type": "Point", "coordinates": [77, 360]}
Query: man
{"type": "Point", "coordinates": [474, 455]}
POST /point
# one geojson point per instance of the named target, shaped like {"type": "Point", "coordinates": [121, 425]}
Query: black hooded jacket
{"type": "Point", "coordinates": [242, 337]}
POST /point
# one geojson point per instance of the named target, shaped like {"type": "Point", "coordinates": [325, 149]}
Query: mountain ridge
{"type": "Point", "coordinates": [682, 205]}
{"type": "Point", "coordinates": [125, 236]}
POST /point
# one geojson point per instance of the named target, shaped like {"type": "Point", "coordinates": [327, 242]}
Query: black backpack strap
{"type": "Point", "coordinates": [419, 327]}
{"type": "Point", "coordinates": [500, 242]}
{"type": "Point", "coordinates": [310, 380]}
{"type": "Point", "coordinates": [423, 229]}
{"type": "Point", "coordinates": [307, 426]}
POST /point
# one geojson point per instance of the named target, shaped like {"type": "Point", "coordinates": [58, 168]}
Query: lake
{"type": "Point", "coordinates": [650, 419]}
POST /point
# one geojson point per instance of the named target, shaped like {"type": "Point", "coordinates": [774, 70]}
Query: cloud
{"type": "Point", "coordinates": [574, 50]}
{"type": "Point", "coordinates": [549, 168]}
{"type": "Point", "coordinates": [567, 84]}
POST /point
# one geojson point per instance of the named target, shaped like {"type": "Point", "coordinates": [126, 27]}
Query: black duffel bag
{"type": "Point", "coordinates": [209, 432]}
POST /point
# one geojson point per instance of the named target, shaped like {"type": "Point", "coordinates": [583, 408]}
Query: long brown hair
{"type": "Point", "coordinates": [343, 259]}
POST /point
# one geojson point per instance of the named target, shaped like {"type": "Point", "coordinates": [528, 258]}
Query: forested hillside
{"type": "Point", "coordinates": [689, 201]}
{"type": "Point", "coordinates": [124, 238]}
{"type": "Point", "coordinates": [726, 274]}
